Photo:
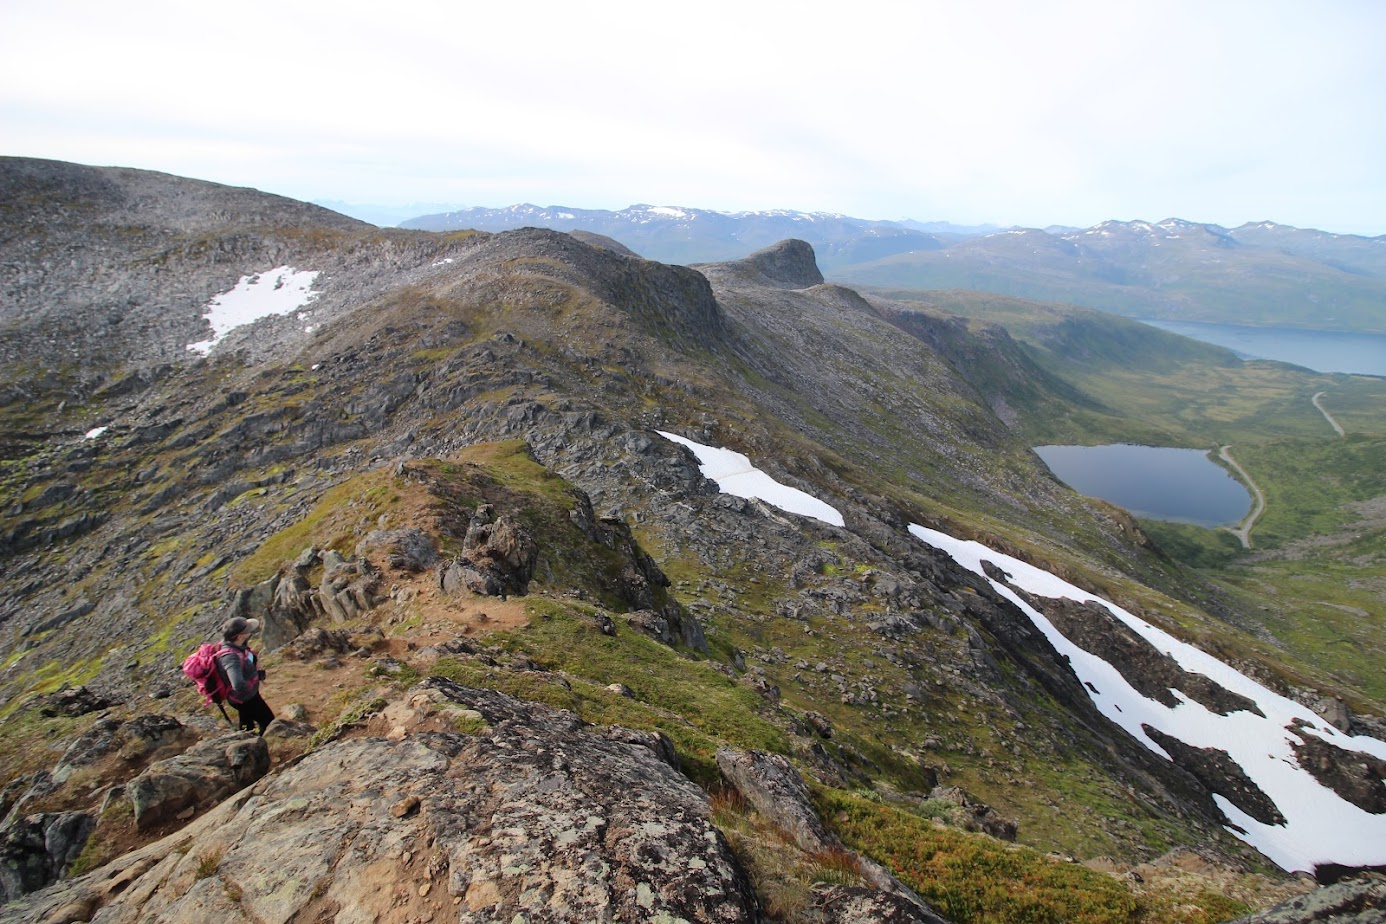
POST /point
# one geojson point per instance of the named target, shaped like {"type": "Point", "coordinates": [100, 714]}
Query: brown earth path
{"type": "Point", "coordinates": [1243, 529]}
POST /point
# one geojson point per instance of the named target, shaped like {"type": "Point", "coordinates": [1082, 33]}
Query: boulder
{"type": "Point", "coordinates": [203, 775]}
{"type": "Point", "coordinates": [1353, 901]}
{"type": "Point", "coordinates": [317, 642]}
{"type": "Point", "coordinates": [74, 701]}
{"type": "Point", "coordinates": [405, 549]}
{"type": "Point", "coordinates": [975, 816]}
{"type": "Point", "coordinates": [36, 849]}
{"type": "Point", "coordinates": [839, 904]}
{"type": "Point", "coordinates": [775, 789]}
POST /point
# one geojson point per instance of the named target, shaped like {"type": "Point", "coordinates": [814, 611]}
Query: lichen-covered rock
{"type": "Point", "coordinates": [1356, 901]}
{"type": "Point", "coordinates": [538, 817]}
{"type": "Point", "coordinates": [204, 774]}
{"type": "Point", "coordinates": [840, 904]}
{"type": "Point", "coordinates": [36, 849]}
{"type": "Point", "coordinates": [776, 790]}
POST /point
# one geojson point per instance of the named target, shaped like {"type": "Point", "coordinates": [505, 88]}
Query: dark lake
{"type": "Point", "coordinates": [1320, 350]}
{"type": "Point", "coordinates": [1159, 483]}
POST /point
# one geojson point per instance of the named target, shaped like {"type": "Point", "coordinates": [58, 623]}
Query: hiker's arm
{"type": "Point", "coordinates": [240, 688]}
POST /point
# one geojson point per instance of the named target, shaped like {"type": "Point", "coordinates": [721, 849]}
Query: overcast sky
{"type": "Point", "coordinates": [969, 111]}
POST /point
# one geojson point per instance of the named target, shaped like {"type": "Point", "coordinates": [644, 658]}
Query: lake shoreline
{"type": "Point", "coordinates": [1154, 482]}
{"type": "Point", "coordinates": [1329, 352]}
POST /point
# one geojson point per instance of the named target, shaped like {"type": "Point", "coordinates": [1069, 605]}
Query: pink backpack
{"type": "Point", "coordinates": [202, 668]}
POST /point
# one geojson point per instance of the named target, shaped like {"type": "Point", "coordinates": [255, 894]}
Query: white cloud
{"type": "Point", "coordinates": [1067, 112]}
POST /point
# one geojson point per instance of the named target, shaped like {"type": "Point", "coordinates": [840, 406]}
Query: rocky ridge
{"type": "Point", "coordinates": [373, 441]}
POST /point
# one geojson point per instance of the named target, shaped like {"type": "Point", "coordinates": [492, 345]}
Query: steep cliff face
{"type": "Point", "coordinates": [461, 440]}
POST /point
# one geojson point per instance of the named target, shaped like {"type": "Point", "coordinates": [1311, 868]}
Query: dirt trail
{"type": "Point", "coordinates": [1243, 529]}
{"type": "Point", "coordinates": [1327, 416]}
{"type": "Point", "coordinates": [435, 619]}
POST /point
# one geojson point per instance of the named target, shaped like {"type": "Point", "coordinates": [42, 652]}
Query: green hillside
{"type": "Point", "coordinates": [1312, 578]}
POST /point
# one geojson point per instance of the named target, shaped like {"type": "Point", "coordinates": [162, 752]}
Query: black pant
{"type": "Point", "coordinates": [254, 712]}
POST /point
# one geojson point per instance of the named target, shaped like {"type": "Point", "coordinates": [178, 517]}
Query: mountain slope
{"type": "Point", "coordinates": [468, 439]}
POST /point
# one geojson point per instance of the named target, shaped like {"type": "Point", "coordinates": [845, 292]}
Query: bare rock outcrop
{"type": "Point", "coordinates": [534, 816]}
{"type": "Point", "coordinates": [204, 774]}
{"type": "Point", "coordinates": [498, 557]}
{"type": "Point", "coordinates": [790, 264]}
{"type": "Point", "coordinates": [1151, 672]}
{"type": "Point", "coordinates": [1356, 776]}
{"type": "Point", "coordinates": [776, 790]}
{"type": "Point", "coordinates": [1356, 901]}
{"type": "Point", "coordinates": [1216, 770]}
{"type": "Point", "coordinates": [839, 904]}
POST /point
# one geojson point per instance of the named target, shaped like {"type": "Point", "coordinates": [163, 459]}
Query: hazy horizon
{"type": "Point", "coordinates": [1006, 113]}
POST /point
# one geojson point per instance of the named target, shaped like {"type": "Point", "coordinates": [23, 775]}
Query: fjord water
{"type": "Point", "coordinates": [1157, 482]}
{"type": "Point", "coordinates": [1319, 350]}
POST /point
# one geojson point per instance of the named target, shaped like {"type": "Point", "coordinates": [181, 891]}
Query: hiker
{"type": "Point", "coordinates": [243, 674]}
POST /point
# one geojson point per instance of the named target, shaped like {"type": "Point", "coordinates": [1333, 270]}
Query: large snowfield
{"type": "Point", "coordinates": [258, 295]}
{"type": "Point", "coordinates": [1320, 827]}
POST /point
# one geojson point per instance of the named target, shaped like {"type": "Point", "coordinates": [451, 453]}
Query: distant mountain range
{"type": "Point", "coordinates": [687, 235]}
{"type": "Point", "coordinates": [1257, 274]}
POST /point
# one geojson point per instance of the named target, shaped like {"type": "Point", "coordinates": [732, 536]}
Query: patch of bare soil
{"type": "Point", "coordinates": [417, 617]}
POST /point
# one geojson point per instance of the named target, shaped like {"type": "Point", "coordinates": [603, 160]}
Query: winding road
{"type": "Point", "coordinates": [1243, 529]}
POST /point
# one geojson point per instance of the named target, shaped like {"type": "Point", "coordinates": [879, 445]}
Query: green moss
{"type": "Point", "coordinates": [60, 675]}
{"type": "Point", "coordinates": [100, 849]}
{"type": "Point", "coordinates": [354, 706]}
{"type": "Point", "coordinates": [974, 878]}
{"type": "Point", "coordinates": [698, 707]}
{"type": "Point", "coordinates": [338, 521]}
{"type": "Point", "coordinates": [161, 641]}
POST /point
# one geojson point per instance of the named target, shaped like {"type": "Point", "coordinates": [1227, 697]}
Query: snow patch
{"type": "Point", "coordinates": [1320, 827]}
{"type": "Point", "coordinates": [258, 295]}
{"type": "Point", "coordinates": [735, 474]}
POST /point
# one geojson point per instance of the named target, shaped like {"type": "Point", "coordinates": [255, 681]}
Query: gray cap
{"type": "Point", "coordinates": [238, 625]}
